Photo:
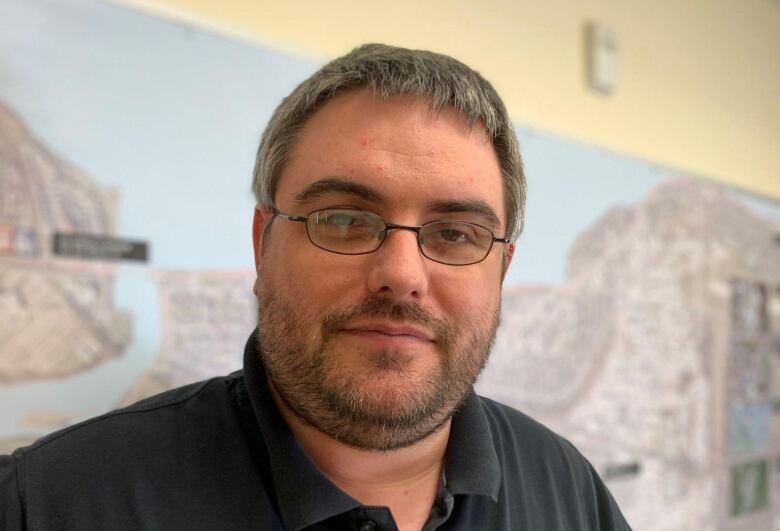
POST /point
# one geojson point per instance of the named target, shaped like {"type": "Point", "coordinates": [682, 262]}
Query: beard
{"type": "Point", "coordinates": [388, 405]}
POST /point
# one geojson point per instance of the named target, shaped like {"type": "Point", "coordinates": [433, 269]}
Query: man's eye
{"type": "Point", "coordinates": [342, 219]}
{"type": "Point", "coordinates": [453, 235]}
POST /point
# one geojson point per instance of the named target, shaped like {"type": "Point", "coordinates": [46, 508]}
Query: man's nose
{"type": "Point", "coordinates": [398, 269]}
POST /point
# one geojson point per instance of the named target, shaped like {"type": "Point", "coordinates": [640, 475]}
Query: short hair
{"type": "Point", "coordinates": [394, 71]}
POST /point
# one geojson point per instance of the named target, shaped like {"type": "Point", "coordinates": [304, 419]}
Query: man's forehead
{"type": "Point", "coordinates": [459, 203]}
{"type": "Point", "coordinates": [396, 147]}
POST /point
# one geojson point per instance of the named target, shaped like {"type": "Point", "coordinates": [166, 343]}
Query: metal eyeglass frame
{"type": "Point", "coordinates": [388, 227]}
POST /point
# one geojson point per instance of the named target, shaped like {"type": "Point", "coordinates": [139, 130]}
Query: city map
{"type": "Point", "coordinates": [658, 357]}
{"type": "Point", "coordinates": [58, 315]}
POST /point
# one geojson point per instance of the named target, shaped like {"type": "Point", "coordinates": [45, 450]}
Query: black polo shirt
{"type": "Point", "coordinates": [218, 455]}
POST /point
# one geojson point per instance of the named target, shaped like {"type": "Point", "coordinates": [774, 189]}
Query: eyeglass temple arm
{"type": "Point", "coordinates": [289, 217]}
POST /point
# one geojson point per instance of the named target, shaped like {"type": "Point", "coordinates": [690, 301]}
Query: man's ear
{"type": "Point", "coordinates": [509, 252]}
{"type": "Point", "coordinates": [263, 216]}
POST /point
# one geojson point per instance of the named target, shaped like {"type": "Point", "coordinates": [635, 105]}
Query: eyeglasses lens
{"type": "Point", "coordinates": [345, 231]}
{"type": "Point", "coordinates": [456, 243]}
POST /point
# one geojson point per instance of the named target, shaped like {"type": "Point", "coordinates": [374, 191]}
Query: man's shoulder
{"type": "Point", "coordinates": [167, 459]}
{"type": "Point", "coordinates": [527, 448]}
{"type": "Point", "coordinates": [535, 459]}
{"type": "Point", "coordinates": [511, 426]}
{"type": "Point", "coordinates": [150, 421]}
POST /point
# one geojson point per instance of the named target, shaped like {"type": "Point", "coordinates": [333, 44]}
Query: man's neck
{"type": "Point", "coordinates": [405, 480]}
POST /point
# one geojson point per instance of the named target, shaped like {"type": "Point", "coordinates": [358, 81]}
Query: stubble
{"type": "Point", "coordinates": [307, 375]}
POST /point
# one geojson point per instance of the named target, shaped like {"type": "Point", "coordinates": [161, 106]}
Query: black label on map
{"type": "Point", "coordinates": [621, 470]}
{"type": "Point", "coordinates": [97, 247]}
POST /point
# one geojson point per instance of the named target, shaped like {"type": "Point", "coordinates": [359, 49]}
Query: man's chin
{"type": "Point", "coordinates": [389, 377]}
{"type": "Point", "coordinates": [383, 402]}
{"type": "Point", "coordinates": [384, 423]}
{"type": "Point", "coordinates": [387, 397]}
{"type": "Point", "coordinates": [378, 409]}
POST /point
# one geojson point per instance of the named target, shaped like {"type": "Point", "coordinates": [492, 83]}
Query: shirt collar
{"type": "Point", "coordinates": [306, 496]}
{"type": "Point", "coordinates": [472, 465]}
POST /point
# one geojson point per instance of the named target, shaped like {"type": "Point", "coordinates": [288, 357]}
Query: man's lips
{"type": "Point", "coordinates": [390, 330]}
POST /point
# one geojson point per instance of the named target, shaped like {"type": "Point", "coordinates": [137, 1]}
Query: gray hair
{"type": "Point", "coordinates": [393, 71]}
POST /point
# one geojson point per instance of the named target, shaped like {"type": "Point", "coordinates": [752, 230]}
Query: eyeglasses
{"type": "Point", "coordinates": [351, 232]}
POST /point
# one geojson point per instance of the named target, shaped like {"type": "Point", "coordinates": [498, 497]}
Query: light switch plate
{"type": "Point", "coordinates": [601, 58]}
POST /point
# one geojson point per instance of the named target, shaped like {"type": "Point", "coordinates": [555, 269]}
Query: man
{"type": "Point", "coordinates": [389, 194]}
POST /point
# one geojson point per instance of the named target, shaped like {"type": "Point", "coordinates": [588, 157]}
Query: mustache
{"type": "Point", "coordinates": [382, 308]}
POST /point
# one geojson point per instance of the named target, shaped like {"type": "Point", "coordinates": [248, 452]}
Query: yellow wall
{"type": "Point", "coordinates": [699, 85]}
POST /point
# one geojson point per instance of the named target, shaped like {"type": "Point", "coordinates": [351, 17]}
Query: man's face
{"type": "Point", "coordinates": [377, 350]}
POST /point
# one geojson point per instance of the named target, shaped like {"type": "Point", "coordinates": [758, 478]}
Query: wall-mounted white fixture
{"type": "Point", "coordinates": [601, 58]}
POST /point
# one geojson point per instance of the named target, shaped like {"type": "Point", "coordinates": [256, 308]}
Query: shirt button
{"type": "Point", "coordinates": [367, 525]}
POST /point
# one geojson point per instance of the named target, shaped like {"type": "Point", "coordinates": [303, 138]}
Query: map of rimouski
{"type": "Point", "coordinates": [58, 316]}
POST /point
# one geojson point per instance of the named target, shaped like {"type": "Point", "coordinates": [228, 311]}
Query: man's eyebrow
{"type": "Point", "coordinates": [345, 186]}
{"type": "Point", "coordinates": [337, 185]}
{"type": "Point", "coordinates": [469, 207]}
